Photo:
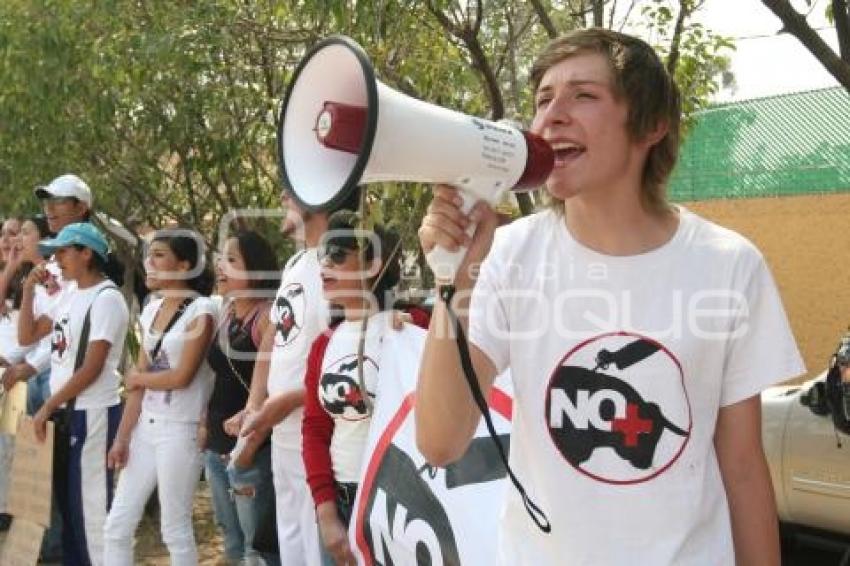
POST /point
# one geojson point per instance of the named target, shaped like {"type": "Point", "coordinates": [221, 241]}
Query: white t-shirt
{"type": "Point", "coordinates": [340, 395]}
{"type": "Point", "coordinates": [10, 350]}
{"type": "Point", "coordinates": [620, 365]}
{"type": "Point", "coordinates": [179, 405]}
{"type": "Point", "coordinates": [109, 319]}
{"type": "Point", "coordinates": [39, 357]}
{"type": "Point", "coordinates": [299, 314]}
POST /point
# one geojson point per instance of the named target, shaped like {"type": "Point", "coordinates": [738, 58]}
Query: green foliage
{"type": "Point", "coordinates": [169, 111]}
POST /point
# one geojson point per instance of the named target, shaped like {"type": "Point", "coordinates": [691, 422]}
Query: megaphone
{"type": "Point", "coordinates": [340, 127]}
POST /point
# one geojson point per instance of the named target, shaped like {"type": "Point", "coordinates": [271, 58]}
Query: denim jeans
{"type": "Point", "coordinates": [239, 514]}
{"type": "Point", "coordinates": [38, 390]}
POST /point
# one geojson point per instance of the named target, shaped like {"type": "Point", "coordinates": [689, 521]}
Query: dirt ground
{"type": "Point", "coordinates": [149, 548]}
{"type": "Point", "coordinates": [151, 552]}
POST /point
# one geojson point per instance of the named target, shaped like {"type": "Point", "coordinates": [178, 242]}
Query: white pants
{"type": "Point", "coordinates": [163, 454]}
{"type": "Point", "coordinates": [297, 536]}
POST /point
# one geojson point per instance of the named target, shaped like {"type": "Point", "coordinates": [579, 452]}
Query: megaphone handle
{"type": "Point", "coordinates": [445, 263]}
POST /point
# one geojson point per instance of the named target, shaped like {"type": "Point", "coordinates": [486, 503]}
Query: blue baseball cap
{"type": "Point", "coordinates": [79, 233]}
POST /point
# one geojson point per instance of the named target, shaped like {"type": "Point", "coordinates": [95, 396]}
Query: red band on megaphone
{"type": "Point", "coordinates": [341, 126]}
{"type": "Point", "coordinates": [539, 163]}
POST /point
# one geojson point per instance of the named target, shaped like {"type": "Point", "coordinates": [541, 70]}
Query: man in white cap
{"type": "Point", "coordinates": [67, 199]}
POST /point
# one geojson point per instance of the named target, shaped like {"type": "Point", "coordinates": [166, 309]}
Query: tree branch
{"type": "Point", "coordinates": [841, 15]}
{"type": "Point", "coordinates": [676, 40]}
{"type": "Point", "coordinates": [544, 18]}
{"type": "Point", "coordinates": [797, 26]}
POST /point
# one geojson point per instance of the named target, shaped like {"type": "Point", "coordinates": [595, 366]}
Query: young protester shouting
{"type": "Point", "coordinates": [359, 271]}
{"type": "Point", "coordinates": [636, 424]}
{"type": "Point", "coordinates": [243, 498]}
{"type": "Point", "coordinates": [87, 325]}
{"type": "Point", "coordinates": [157, 444]}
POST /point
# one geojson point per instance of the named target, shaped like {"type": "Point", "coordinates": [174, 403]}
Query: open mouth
{"type": "Point", "coordinates": [566, 152]}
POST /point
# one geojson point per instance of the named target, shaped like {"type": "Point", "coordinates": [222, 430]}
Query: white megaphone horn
{"type": "Point", "coordinates": [340, 127]}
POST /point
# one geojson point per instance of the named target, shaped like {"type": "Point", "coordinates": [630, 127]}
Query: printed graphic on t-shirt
{"type": "Point", "coordinates": [339, 387]}
{"type": "Point", "coordinates": [288, 314]}
{"type": "Point", "coordinates": [617, 408]}
{"type": "Point", "coordinates": [60, 339]}
{"type": "Point", "coordinates": [159, 399]}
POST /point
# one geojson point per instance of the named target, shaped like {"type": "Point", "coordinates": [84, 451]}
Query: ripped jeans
{"type": "Point", "coordinates": [243, 500]}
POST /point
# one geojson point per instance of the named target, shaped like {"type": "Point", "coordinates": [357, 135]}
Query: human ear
{"type": "Point", "coordinates": [656, 134]}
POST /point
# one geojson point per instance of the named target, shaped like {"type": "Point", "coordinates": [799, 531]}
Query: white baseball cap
{"type": "Point", "coordinates": [66, 186]}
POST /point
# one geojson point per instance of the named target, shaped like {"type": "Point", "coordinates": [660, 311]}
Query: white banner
{"type": "Point", "coordinates": [408, 512]}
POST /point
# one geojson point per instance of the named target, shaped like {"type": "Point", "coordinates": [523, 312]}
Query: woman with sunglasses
{"type": "Point", "coordinates": [157, 441]}
{"type": "Point", "coordinates": [359, 271]}
{"type": "Point", "coordinates": [247, 275]}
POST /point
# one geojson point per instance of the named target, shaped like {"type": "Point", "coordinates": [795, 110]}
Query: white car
{"type": "Point", "coordinates": [809, 459]}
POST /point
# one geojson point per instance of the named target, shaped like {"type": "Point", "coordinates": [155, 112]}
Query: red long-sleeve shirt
{"type": "Point", "coordinates": [317, 426]}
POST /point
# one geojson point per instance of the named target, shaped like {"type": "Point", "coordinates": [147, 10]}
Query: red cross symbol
{"type": "Point", "coordinates": [632, 425]}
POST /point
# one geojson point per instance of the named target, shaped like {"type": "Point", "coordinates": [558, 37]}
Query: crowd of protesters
{"type": "Point", "coordinates": [233, 381]}
{"type": "Point", "coordinates": [217, 385]}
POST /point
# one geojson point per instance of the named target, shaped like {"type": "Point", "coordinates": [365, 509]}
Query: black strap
{"type": "Point", "coordinates": [536, 514]}
{"type": "Point", "coordinates": [84, 342]}
{"type": "Point", "coordinates": [177, 314]}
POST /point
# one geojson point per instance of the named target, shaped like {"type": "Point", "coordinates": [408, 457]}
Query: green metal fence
{"type": "Point", "coordinates": [790, 144]}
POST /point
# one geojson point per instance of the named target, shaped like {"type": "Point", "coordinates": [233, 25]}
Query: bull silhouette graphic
{"type": "Point", "coordinates": [589, 409]}
{"type": "Point", "coordinates": [59, 341]}
{"type": "Point", "coordinates": [340, 390]}
{"type": "Point", "coordinates": [286, 320]}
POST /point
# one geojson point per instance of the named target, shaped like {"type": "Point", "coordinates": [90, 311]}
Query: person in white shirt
{"type": "Point", "coordinates": [22, 258]}
{"type": "Point", "coordinates": [298, 315]}
{"type": "Point", "coordinates": [638, 336]}
{"type": "Point", "coordinates": [157, 444]}
{"type": "Point", "coordinates": [84, 400]}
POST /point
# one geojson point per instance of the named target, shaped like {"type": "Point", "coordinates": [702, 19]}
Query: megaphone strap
{"type": "Point", "coordinates": [537, 515]}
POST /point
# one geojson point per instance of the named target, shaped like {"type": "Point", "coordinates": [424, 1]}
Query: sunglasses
{"type": "Point", "coordinates": [334, 253]}
{"type": "Point", "coordinates": [60, 200]}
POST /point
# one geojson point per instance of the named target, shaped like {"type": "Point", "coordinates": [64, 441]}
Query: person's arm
{"type": "Point", "coordinates": [446, 414]}
{"type": "Point", "coordinates": [199, 332]}
{"type": "Point", "coordinates": [8, 274]}
{"type": "Point", "coordinates": [119, 453]}
{"type": "Point", "coordinates": [746, 477]}
{"type": "Point", "coordinates": [273, 411]}
{"type": "Point", "coordinates": [93, 363]}
{"type": "Point", "coordinates": [30, 328]}
{"type": "Point", "coordinates": [260, 376]}
{"type": "Point", "coordinates": [317, 429]}
{"type": "Point", "coordinates": [18, 372]}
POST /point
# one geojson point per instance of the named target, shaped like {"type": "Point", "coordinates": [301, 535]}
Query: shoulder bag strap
{"type": "Point", "coordinates": [177, 314]}
{"type": "Point", "coordinates": [84, 340]}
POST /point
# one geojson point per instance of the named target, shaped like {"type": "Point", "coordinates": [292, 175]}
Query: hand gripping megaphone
{"type": "Point", "coordinates": [340, 127]}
